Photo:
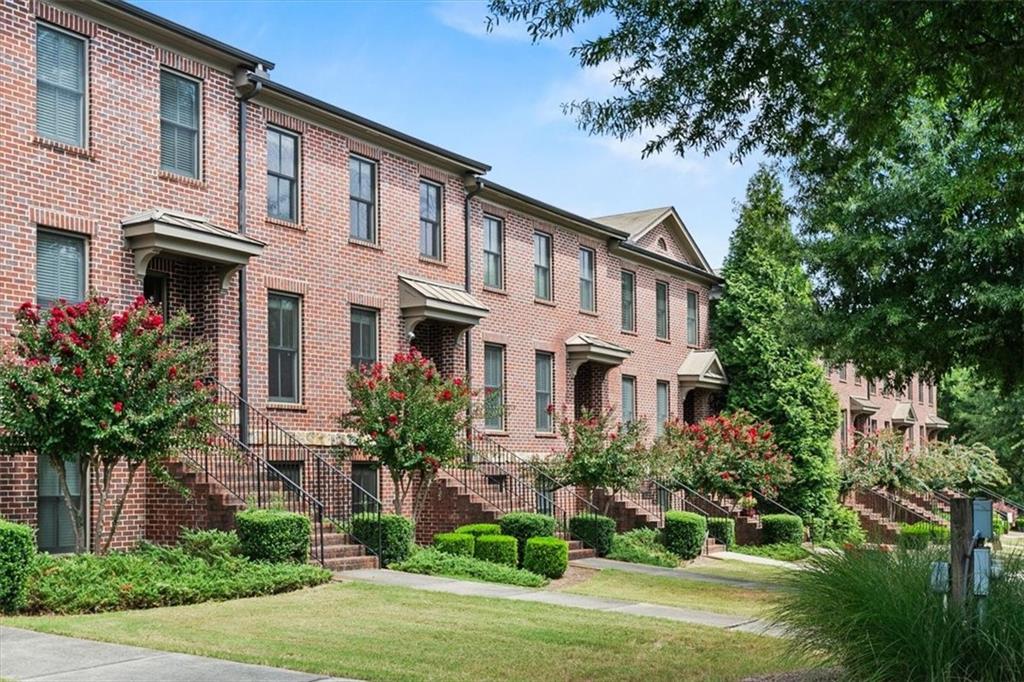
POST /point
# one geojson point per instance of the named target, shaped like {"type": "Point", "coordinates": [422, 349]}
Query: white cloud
{"type": "Point", "coordinates": [470, 17]}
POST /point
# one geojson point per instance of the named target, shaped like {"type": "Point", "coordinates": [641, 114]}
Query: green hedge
{"type": "Point", "coordinates": [723, 530]}
{"type": "Point", "coordinates": [920, 535]}
{"type": "Point", "coordinates": [462, 544]}
{"type": "Point", "coordinates": [594, 531]}
{"type": "Point", "coordinates": [17, 547]}
{"type": "Point", "coordinates": [273, 535]}
{"type": "Point", "coordinates": [642, 546]}
{"type": "Point", "coordinates": [546, 556]}
{"type": "Point", "coordinates": [432, 562]}
{"type": "Point", "coordinates": [210, 544]}
{"type": "Point", "coordinates": [395, 535]}
{"type": "Point", "coordinates": [1000, 527]}
{"type": "Point", "coordinates": [684, 533]}
{"type": "Point", "coordinates": [782, 529]}
{"type": "Point", "coordinates": [478, 529]}
{"type": "Point", "coordinates": [498, 549]}
{"type": "Point", "coordinates": [524, 525]}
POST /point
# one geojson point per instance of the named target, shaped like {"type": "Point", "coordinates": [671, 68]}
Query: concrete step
{"type": "Point", "coordinates": [350, 563]}
{"type": "Point", "coordinates": [581, 553]}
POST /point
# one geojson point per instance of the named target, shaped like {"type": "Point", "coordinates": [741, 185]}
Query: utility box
{"type": "Point", "coordinates": [982, 518]}
{"type": "Point", "coordinates": [982, 570]}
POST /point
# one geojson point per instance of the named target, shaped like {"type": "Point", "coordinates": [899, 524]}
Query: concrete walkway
{"type": "Point", "coordinates": [750, 559]}
{"type": "Point", "coordinates": [28, 656]}
{"type": "Point", "coordinates": [693, 574]}
{"type": "Point", "coordinates": [554, 598]}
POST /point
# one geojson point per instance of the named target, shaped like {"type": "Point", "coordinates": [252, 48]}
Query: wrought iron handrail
{"type": "Point", "coordinates": [895, 503]}
{"type": "Point", "coordinates": [675, 486]}
{"type": "Point", "coordinates": [336, 491]}
{"type": "Point", "coordinates": [772, 502]}
{"type": "Point", "coordinates": [1008, 501]}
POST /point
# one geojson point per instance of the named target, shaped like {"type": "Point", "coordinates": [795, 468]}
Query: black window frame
{"type": "Point", "coordinates": [370, 204]}
{"type": "Point", "coordinates": [499, 282]}
{"type": "Point", "coordinates": [631, 380]}
{"type": "Point", "coordinates": [361, 361]}
{"type": "Point", "coordinates": [490, 389]}
{"type": "Point", "coordinates": [196, 172]}
{"type": "Point", "coordinates": [692, 318]}
{"type": "Point", "coordinates": [544, 414]}
{"type": "Point", "coordinates": [297, 361]}
{"type": "Point", "coordinates": [432, 225]}
{"type": "Point", "coordinates": [631, 313]}
{"type": "Point", "coordinates": [593, 278]}
{"type": "Point", "coordinates": [659, 427]}
{"type": "Point", "coordinates": [547, 269]}
{"type": "Point", "coordinates": [662, 314]}
{"type": "Point", "coordinates": [278, 175]}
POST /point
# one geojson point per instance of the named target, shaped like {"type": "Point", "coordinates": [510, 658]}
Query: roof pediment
{"type": "Point", "coordinates": [422, 299]}
{"type": "Point", "coordinates": [637, 224]}
{"type": "Point", "coordinates": [903, 414]}
{"type": "Point", "coordinates": [702, 369]}
{"type": "Point", "coordinates": [582, 348]}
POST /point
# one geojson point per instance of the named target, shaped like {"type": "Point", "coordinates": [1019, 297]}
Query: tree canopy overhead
{"type": "Point", "coordinates": [900, 123]}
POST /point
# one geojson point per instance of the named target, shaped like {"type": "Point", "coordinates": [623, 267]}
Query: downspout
{"type": "Point", "coordinates": [242, 81]}
{"type": "Point", "coordinates": [474, 185]}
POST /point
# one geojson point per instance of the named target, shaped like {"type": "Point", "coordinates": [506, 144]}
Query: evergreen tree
{"type": "Point", "coordinates": [773, 374]}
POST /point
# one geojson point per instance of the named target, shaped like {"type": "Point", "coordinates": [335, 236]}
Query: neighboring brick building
{"type": "Point", "coordinates": [137, 156]}
{"type": "Point", "coordinates": [866, 406]}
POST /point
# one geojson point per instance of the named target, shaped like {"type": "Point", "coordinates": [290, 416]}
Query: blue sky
{"type": "Point", "coordinates": [431, 70]}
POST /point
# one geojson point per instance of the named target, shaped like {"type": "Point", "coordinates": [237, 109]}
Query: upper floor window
{"type": "Point", "coordinates": [628, 301]}
{"type": "Point", "coordinates": [430, 220]}
{"type": "Point", "coordinates": [60, 86]}
{"type": "Point", "coordinates": [871, 387]}
{"type": "Point", "coordinates": [363, 336]}
{"type": "Point", "coordinates": [494, 387]}
{"type": "Point", "coordinates": [661, 309]}
{"type": "Point", "coordinates": [587, 298]}
{"type": "Point", "coordinates": [920, 390]}
{"type": "Point", "coordinates": [282, 175]}
{"type": "Point", "coordinates": [179, 124]}
{"type": "Point", "coordinates": [362, 202]}
{"type": "Point", "coordinates": [841, 371]}
{"type": "Point", "coordinates": [283, 347]}
{"type": "Point", "coordinates": [544, 367]}
{"type": "Point", "coordinates": [662, 406]}
{"type": "Point", "coordinates": [628, 399]}
{"type": "Point", "coordinates": [60, 268]}
{"type": "Point", "coordinates": [542, 266]}
{"type": "Point", "coordinates": [910, 390]}
{"type": "Point", "coordinates": [493, 262]}
{"type": "Point", "coordinates": [692, 329]}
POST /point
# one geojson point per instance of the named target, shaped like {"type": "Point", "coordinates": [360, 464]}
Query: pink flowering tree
{"type": "Point", "coordinates": [729, 455]}
{"type": "Point", "coordinates": [102, 391]}
{"type": "Point", "coordinates": [410, 419]}
{"type": "Point", "coordinates": [602, 454]}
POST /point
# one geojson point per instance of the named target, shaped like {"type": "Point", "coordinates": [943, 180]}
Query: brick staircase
{"type": "Point", "coordinates": [878, 527]}
{"type": "Point", "coordinates": [342, 553]}
{"type": "Point", "coordinates": [628, 513]}
{"type": "Point", "coordinates": [881, 513]}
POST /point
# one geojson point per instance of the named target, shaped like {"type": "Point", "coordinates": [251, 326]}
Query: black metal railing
{"type": "Point", "coordinates": [287, 468]}
{"type": "Point", "coordinates": [889, 506]}
{"type": "Point", "coordinates": [512, 483]}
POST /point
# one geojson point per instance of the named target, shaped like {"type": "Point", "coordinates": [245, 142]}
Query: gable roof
{"type": "Point", "coordinates": [638, 223]}
{"type": "Point", "coordinates": [903, 413]}
{"type": "Point", "coordinates": [702, 369]}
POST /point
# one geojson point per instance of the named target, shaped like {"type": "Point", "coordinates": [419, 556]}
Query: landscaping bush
{"type": "Point", "coordinates": [273, 535]}
{"type": "Point", "coordinates": [1000, 526]}
{"type": "Point", "coordinates": [546, 556]}
{"type": "Point", "coordinates": [462, 544]}
{"type": "Point", "coordinates": [210, 544]}
{"type": "Point", "coordinates": [723, 530]}
{"type": "Point", "coordinates": [498, 549]}
{"type": "Point", "coordinates": [155, 576]}
{"type": "Point", "coordinates": [684, 533]}
{"type": "Point", "coordinates": [839, 526]}
{"type": "Point", "coordinates": [782, 529]}
{"type": "Point", "coordinates": [432, 562]}
{"type": "Point", "coordinates": [524, 525]}
{"type": "Point", "coordinates": [642, 546]}
{"type": "Point", "coordinates": [777, 552]}
{"type": "Point", "coordinates": [17, 547]}
{"type": "Point", "coordinates": [920, 535]}
{"type": "Point", "coordinates": [478, 529]}
{"type": "Point", "coordinates": [872, 614]}
{"type": "Point", "coordinates": [594, 531]}
{"type": "Point", "coordinates": [395, 535]}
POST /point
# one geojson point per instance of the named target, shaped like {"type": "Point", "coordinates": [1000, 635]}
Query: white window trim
{"type": "Point", "coordinates": [593, 278]}
{"type": "Point", "coordinates": [86, 263]}
{"type": "Point", "coordinates": [551, 267]}
{"type": "Point", "coordinates": [500, 286]}
{"type": "Point", "coordinates": [668, 310]}
{"type": "Point", "coordinates": [632, 274]}
{"type": "Point", "coordinates": [376, 200]}
{"type": "Point", "coordinates": [440, 221]}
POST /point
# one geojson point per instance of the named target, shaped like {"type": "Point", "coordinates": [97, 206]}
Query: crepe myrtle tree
{"type": "Point", "coordinates": [99, 390]}
{"type": "Point", "coordinates": [410, 419]}
{"type": "Point", "coordinates": [600, 454]}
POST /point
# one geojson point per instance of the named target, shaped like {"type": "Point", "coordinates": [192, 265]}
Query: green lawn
{"type": "Point", "coordinates": [690, 594]}
{"type": "Point", "coordinates": [375, 632]}
{"type": "Point", "coordinates": [741, 570]}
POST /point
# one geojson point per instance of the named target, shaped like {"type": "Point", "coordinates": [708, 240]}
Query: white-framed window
{"type": "Point", "coordinates": [662, 407]}
{"type": "Point", "coordinates": [494, 241]}
{"type": "Point", "coordinates": [661, 310]}
{"type": "Point", "coordinates": [544, 370]}
{"type": "Point", "coordinates": [282, 174]}
{"type": "Point", "coordinates": [61, 79]}
{"type": "Point", "coordinates": [692, 320]}
{"type": "Point", "coordinates": [588, 300]}
{"type": "Point", "coordinates": [542, 266]}
{"type": "Point", "coordinates": [430, 220]}
{"type": "Point", "coordinates": [841, 371]}
{"type": "Point", "coordinates": [284, 347]}
{"type": "Point", "coordinates": [628, 301]}
{"type": "Point", "coordinates": [363, 336]}
{"type": "Point", "coordinates": [179, 124]}
{"type": "Point", "coordinates": [362, 203]}
{"type": "Point", "coordinates": [494, 387]}
{"type": "Point", "coordinates": [628, 398]}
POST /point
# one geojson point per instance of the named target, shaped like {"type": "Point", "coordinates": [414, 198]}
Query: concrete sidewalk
{"type": "Point", "coordinates": [751, 559]}
{"type": "Point", "coordinates": [28, 656]}
{"type": "Point", "coordinates": [677, 573]}
{"type": "Point", "coordinates": [554, 598]}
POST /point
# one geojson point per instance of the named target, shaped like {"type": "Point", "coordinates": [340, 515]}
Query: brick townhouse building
{"type": "Point", "coordinates": [866, 406]}
{"type": "Point", "coordinates": [138, 156]}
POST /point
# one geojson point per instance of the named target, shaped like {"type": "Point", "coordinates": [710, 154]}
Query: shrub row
{"type": "Point", "coordinates": [273, 535]}
{"type": "Point", "coordinates": [524, 525]}
{"type": "Point", "coordinates": [684, 533]}
{"type": "Point", "coordinates": [782, 529]}
{"type": "Point", "coordinates": [594, 531]}
{"type": "Point", "coordinates": [17, 547]}
{"type": "Point", "coordinates": [433, 562]}
{"type": "Point", "coordinates": [389, 536]}
{"type": "Point", "coordinates": [521, 539]}
{"type": "Point", "coordinates": [920, 535]}
{"type": "Point", "coordinates": [642, 546]}
{"type": "Point", "coordinates": [546, 556]}
{"type": "Point", "coordinates": [723, 530]}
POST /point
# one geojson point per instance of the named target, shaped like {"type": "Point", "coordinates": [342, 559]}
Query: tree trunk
{"type": "Point", "coordinates": [132, 468]}
{"type": "Point", "coordinates": [101, 508]}
{"type": "Point", "coordinates": [77, 513]}
{"type": "Point", "coordinates": [399, 496]}
{"type": "Point", "coordinates": [426, 481]}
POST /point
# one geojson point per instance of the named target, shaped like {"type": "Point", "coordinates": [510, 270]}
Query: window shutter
{"type": "Point", "coordinates": [60, 268]}
{"type": "Point", "coordinates": [60, 86]}
{"type": "Point", "coordinates": [179, 124]}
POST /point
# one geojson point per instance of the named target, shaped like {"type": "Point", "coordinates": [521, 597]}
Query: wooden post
{"type": "Point", "coordinates": [961, 528]}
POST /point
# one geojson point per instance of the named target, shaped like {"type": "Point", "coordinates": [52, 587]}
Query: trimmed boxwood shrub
{"type": "Point", "coordinates": [723, 530]}
{"type": "Point", "coordinates": [498, 549]}
{"type": "Point", "coordinates": [920, 535]}
{"type": "Point", "coordinates": [396, 535]}
{"type": "Point", "coordinates": [478, 529]}
{"type": "Point", "coordinates": [524, 525]}
{"type": "Point", "coordinates": [17, 547]}
{"type": "Point", "coordinates": [546, 556]}
{"type": "Point", "coordinates": [684, 533]}
{"type": "Point", "coordinates": [429, 561]}
{"type": "Point", "coordinates": [594, 531]}
{"type": "Point", "coordinates": [273, 535]}
{"type": "Point", "coordinates": [210, 545]}
{"type": "Point", "coordinates": [782, 529]}
{"type": "Point", "coordinates": [462, 544]}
